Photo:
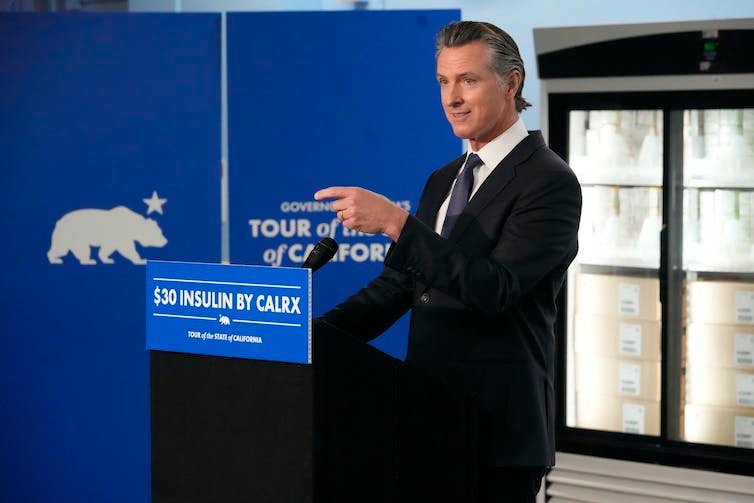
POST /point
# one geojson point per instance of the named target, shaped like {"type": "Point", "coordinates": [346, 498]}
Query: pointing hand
{"type": "Point", "coordinates": [362, 210]}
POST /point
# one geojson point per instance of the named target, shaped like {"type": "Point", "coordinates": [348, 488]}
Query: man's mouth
{"type": "Point", "coordinates": [459, 115]}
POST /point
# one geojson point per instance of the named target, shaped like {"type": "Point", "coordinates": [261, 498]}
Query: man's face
{"type": "Point", "coordinates": [477, 105]}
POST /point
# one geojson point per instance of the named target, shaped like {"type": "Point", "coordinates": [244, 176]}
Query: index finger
{"type": "Point", "coordinates": [331, 192]}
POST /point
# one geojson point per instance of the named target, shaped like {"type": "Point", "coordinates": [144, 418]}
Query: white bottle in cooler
{"type": "Point", "coordinates": [576, 135]}
{"type": "Point", "coordinates": [694, 146]}
{"type": "Point", "coordinates": [731, 145]}
{"type": "Point", "coordinates": [708, 233]}
{"type": "Point", "coordinates": [649, 237]}
{"type": "Point", "coordinates": [745, 216]}
{"type": "Point", "coordinates": [726, 218]}
{"type": "Point", "coordinates": [592, 150]}
{"type": "Point", "coordinates": [613, 146]}
{"type": "Point", "coordinates": [696, 134]}
{"type": "Point", "coordinates": [611, 230]}
{"type": "Point", "coordinates": [725, 207]}
{"type": "Point", "coordinates": [650, 154]}
{"type": "Point", "coordinates": [711, 120]}
{"type": "Point", "coordinates": [748, 130]}
{"type": "Point", "coordinates": [691, 224]}
{"type": "Point", "coordinates": [633, 133]}
{"type": "Point", "coordinates": [589, 218]}
{"type": "Point", "coordinates": [628, 205]}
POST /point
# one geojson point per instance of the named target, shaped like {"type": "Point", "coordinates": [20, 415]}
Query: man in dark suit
{"type": "Point", "coordinates": [482, 262]}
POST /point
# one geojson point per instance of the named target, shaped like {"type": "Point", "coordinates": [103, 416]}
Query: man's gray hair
{"type": "Point", "coordinates": [503, 51]}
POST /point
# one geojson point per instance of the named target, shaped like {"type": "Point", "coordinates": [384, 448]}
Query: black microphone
{"type": "Point", "coordinates": [320, 254]}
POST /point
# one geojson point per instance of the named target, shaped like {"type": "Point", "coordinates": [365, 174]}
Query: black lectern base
{"type": "Point", "coordinates": [357, 426]}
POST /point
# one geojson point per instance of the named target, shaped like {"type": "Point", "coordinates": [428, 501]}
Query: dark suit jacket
{"type": "Point", "coordinates": [484, 300]}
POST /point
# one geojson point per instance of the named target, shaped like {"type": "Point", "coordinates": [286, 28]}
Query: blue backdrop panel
{"type": "Point", "coordinates": [109, 136]}
{"type": "Point", "coordinates": [330, 98]}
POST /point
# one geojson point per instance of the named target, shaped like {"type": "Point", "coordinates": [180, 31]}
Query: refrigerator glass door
{"type": "Point", "coordinates": [613, 364]}
{"type": "Point", "coordinates": [718, 258]}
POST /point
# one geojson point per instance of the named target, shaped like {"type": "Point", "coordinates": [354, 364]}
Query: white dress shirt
{"type": "Point", "coordinates": [491, 155]}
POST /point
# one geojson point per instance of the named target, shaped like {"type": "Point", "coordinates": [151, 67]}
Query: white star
{"type": "Point", "coordinates": [154, 203]}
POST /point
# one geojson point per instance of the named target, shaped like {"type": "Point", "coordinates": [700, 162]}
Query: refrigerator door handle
{"type": "Point", "coordinates": [663, 272]}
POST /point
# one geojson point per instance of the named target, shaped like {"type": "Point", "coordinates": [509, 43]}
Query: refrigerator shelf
{"type": "Point", "coordinates": [613, 183]}
{"type": "Point", "coordinates": [626, 178]}
{"type": "Point", "coordinates": [739, 183]}
{"type": "Point", "coordinates": [635, 262]}
{"type": "Point", "coordinates": [735, 268]}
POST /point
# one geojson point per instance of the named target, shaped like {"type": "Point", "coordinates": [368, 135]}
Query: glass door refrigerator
{"type": "Point", "coordinates": [656, 339]}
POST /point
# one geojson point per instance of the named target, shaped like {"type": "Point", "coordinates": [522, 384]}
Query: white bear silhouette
{"type": "Point", "coordinates": [111, 230]}
{"type": "Point", "coordinates": [224, 320]}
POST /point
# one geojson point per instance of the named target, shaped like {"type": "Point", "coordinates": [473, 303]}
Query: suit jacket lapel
{"type": "Point", "coordinates": [437, 191]}
{"type": "Point", "coordinates": [500, 177]}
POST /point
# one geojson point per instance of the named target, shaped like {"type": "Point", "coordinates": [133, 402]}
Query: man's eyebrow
{"type": "Point", "coordinates": [461, 76]}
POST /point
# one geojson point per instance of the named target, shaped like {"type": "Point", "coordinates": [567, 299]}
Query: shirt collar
{"type": "Point", "coordinates": [496, 150]}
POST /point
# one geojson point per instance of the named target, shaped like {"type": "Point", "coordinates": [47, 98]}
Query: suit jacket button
{"type": "Point", "coordinates": [424, 299]}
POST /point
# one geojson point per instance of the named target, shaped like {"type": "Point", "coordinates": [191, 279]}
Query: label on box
{"type": "Point", "coordinates": [628, 299]}
{"type": "Point", "coordinates": [630, 339]}
{"type": "Point", "coordinates": [629, 379]}
{"type": "Point", "coordinates": [743, 349]}
{"type": "Point", "coordinates": [744, 432]}
{"type": "Point", "coordinates": [633, 418]}
{"type": "Point", "coordinates": [745, 390]}
{"type": "Point", "coordinates": [745, 306]}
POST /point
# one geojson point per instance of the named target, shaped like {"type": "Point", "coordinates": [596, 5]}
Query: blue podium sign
{"type": "Point", "coordinates": [260, 313]}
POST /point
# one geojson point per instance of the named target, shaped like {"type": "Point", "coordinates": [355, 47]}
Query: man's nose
{"type": "Point", "coordinates": [453, 96]}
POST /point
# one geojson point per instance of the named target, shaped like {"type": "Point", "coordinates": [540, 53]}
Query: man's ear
{"type": "Point", "coordinates": [514, 83]}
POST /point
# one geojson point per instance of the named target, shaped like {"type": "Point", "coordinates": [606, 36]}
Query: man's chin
{"type": "Point", "coordinates": [462, 133]}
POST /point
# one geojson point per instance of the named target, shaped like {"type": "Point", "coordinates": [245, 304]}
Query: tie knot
{"type": "Point", "coordinates": [472, 161]}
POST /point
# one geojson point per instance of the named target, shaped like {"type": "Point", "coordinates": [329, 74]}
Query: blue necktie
{"type": "Point", "coordinates": [460, 195]}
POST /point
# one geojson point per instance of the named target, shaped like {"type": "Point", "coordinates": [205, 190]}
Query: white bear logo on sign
{"type": "Point", "coordinates": [116, 229]}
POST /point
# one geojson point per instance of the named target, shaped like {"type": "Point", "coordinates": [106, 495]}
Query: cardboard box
{"type": "Point", "coordinates": [719, 425]}
{"type": "Point", "coordinates": [725, 346]}
{"type": "Point", "coordinates": [626, 378]}
{"type": "Point", "coordinates": [609, 413]}
{"type": "Point", "coordinates": [721, 302]}
{"type": "Point", "coordinates": [617, 337]}
{"type": "Point", "coordinates": [720, 387]}
{"type": "Point", "coordinates": [624, 296]}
